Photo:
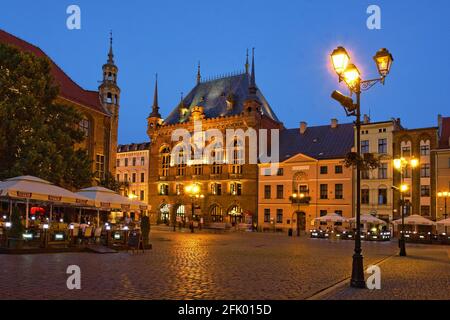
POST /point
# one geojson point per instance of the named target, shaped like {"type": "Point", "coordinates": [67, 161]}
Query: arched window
{"type": "Point", "coordinates": [165, 161]}
{"type": "Point", "coordinates": [164, 213]}
{"type": "Point", "coordinates": [163, 189]}
{"type": "Point", "coordinates": [238, 153]}
{"type": "Point", "coordinates": [216, 214]}
{"type": "Point", "coordinates": [181, 211]}
{"type": "Point", "coordinates": [84, 126]}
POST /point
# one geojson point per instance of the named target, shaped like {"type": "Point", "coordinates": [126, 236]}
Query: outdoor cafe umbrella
{"type": "Point", "coordinates": [444, 223]}
{"type": "Point", "coordinates": [33, 188]}
{"type": "Point", "coordinates": [332, 217]}
{"type": "Point", "coordinates": [368, 218]}
{"type": "Point", "coordinates": [416, 220]}
{"type": "Point", "coordinates": [106, 199]}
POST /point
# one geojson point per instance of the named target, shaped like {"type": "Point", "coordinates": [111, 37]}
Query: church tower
{"type": "Point", "coordinates": [109, 93]}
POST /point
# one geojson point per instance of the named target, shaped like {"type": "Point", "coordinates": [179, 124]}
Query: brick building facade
{"type": "Point", "coordinates": [100, 109]}
{"type": "Point", "coordinates": [416, 144]}
{"type": "Point", "coordinates": [228, 192]}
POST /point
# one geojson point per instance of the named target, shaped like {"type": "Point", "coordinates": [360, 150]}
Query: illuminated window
{"type": "Point", "coordinates": [165, 162]}
{"type": "Point", "coordinates": [84, 126]}
{"type": "Point", "coordinates": [100, 166]}
{"type": "Point", "coordinates": [216, 214]}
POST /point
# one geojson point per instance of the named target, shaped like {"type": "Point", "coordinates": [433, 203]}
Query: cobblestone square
{"type": "Point", "coordinates": [229, 266]}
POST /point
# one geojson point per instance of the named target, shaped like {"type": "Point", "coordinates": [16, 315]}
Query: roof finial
{"type": "Point", "coordinates": [247, 65]}
{"type": "Point", "coordinates": [252, 88]}
{"type": "Point", "coordinates": [155, 107]}
{"type": "Point", "coordinates": [110, 54]}
{"type": "Point", "coordinates": [199, 77]}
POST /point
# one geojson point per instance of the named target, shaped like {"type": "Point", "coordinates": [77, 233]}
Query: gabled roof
{"type": "Point", "coordinates": [320, 142]}
{"type": "Point", "coordinates": [444, 142]}
{"type": "Point", "coordinates": [68, 88]}
{"type": "Point", "coordinates": [133, 147]}
{"type": "Point", "coordinates": [212, 96]}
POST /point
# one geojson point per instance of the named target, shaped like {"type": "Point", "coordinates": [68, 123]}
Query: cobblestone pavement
{"type": "Point", "coordinates": [217, 266]}
{"type": "Point", "coordinates": [424, 274]}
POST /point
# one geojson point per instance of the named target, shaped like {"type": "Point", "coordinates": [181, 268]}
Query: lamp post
{"type": "Point", "coordinates": [193, 191]}
{"type": "Point", "coordinates": [350, 74]}
{"type": "Point", "coordinates": [445, 195]}
{"type": "Point", "coordinates": [297, 197]}
{"type": "Point", "coordinates": [401, 165]}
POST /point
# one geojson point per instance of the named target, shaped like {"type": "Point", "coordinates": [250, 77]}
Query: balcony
{"type": "Point", "coordinates": [300, 201]}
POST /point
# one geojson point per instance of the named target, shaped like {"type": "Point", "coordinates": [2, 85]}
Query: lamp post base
{"type": "Point", "coordinates": [401, 245]}
{"type": "Point", "coordinates": [357, 280]}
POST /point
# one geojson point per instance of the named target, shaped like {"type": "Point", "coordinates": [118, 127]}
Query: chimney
{"type": "Point", "coordinates": [366, 119]}
{"type": "Point", "coordinates": [303, 127]}
{"type": "Point", "coordinates": [439, 124]}
{"type": "Point", "coordinates": [334, 123]}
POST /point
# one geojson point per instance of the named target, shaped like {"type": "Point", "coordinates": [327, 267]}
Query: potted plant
{"type": "Point", "coordinates": [17, 230]}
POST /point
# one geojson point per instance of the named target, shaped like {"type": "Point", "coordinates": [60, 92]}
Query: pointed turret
{"type": "Point", "coordinates": [155, 107]}
{"type": "Point", "coordinates": [247, 65]}
{"type": "Point", "coordinates": [252, 89]}
{"type": "Point", "coordinates": [109, 90]}
{"type": "Point", "coordinates": [252, 103]}
{"type": "Point", "coordinates": [110, 54]}
{"type": "Point", "coordinates": [199, 76]}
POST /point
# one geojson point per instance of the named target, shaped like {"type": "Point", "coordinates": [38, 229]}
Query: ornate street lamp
{"type": "Point", "coordinates": [383, 60]}
{"type": "Point", "coordinates": [193, 191]}
{"type": "Point", "coordinates": [445, 195]}
{"type": "Point", "coordinates": [401, 165]}
{"type": "Point", "coordinates": [350, 74]}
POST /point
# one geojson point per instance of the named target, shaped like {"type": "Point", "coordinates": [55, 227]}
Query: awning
{"type": "Point", "coordinates": [445, 223]}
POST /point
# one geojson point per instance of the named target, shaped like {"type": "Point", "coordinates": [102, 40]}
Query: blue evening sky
{"type": "Point", "coordinates": [293, 40]}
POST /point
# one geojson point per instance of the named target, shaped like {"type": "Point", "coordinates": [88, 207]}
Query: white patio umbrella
{"type": "Point", "coordinates": [33, 188]}
{"type": "Point", "coordinates": [368, 218]}
{"type": "Point", "coordinates": [106, 199]}
{"type": "Point", "coordinates": [444, 224]}
{"type": "Point", "coordinates": [416, 220]}
{"type": "Point", "coordinates": [332, 217]}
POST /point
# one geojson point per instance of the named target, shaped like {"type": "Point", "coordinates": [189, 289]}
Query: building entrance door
{"type": "Point", "coordinates": [301, 222]}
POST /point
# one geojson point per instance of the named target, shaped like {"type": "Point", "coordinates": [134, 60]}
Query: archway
{"type": "Point", "coordinates": [301, 222]}
{"type": "Point", "coordinates": [235, 215]}
{"type": "Point", "coordinates": [216, 213]}
{"type": "Point", "coordinates": [164, 213]}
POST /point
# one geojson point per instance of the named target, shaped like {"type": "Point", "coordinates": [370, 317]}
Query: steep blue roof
{"type": "Point", "coordinates": [212, 95]}
{"type": "Point", "coordinates": [320, 142]}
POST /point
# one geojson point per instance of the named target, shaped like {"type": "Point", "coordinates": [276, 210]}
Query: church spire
{"type": "Point", "coordinates": [199, 76]}
{"type": "Point", "coordinates": [252, 87]}
{"type": "Point", "coordinates": [247, 65]}
{"type": "Point", "coordinates": [110, 54]}
{"type": "Point", "coordinates": [155, 107]}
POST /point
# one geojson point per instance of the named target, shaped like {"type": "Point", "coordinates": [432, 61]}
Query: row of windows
{"type": "Point", "coordinates": [425, 172]}
{"type": "Point", "coordinates": [338, 191]}
{"type": "Point", "coordinates": [133, 162]}
{"type": "Point", "coordinates": [141, 194]}
{"type": "Point", "coordinates": [424, 150]}
{"type": "Point", "coordinates": [382, 146]}
{"type": "Point", "coordinates": [337, 169]}
{"type": "Point", "coordinates": [181, 169]}
{"type": "Point", "coordinates": [132, 179]}
{"type": "Point", "coordinates": [279, 215]}
{"type": "Point", "coordinates": [235, 189]}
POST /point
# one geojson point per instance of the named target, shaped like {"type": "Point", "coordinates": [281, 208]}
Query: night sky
{"type": "Point", "coordinates": [293, 40]}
